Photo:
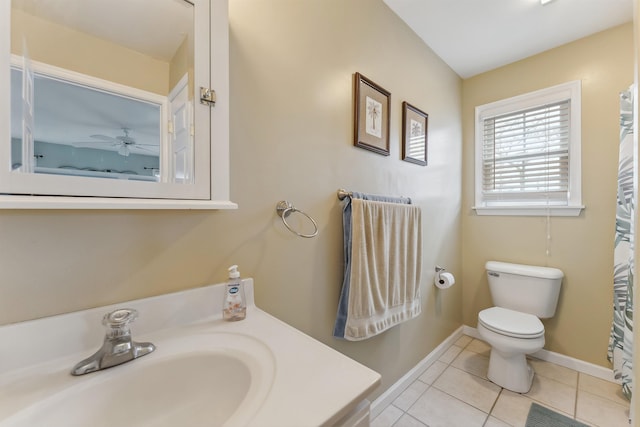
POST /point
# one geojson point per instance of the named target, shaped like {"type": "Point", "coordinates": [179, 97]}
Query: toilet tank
{"type": "Point", "coordinates": [524, 288]}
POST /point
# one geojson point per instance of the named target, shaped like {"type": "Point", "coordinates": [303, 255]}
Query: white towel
{"type": "Point", "coordinates": [386, 264]}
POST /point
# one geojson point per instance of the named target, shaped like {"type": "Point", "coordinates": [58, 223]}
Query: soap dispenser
{"type": "Point", "coordinates": [235, 306]}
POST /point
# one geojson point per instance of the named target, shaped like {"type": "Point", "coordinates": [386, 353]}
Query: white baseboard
{"type": "Point", "coordinates": [399, 386]}
{"type": "Point", "coordinates": [560, 359]}
{"type": "Point", "coordinates": [386, 398]}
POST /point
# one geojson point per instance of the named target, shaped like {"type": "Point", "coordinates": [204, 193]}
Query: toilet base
{"type": "Point", "coordinates": [510, 371]}
{"type": "Point", "coordinates": [508, 365]}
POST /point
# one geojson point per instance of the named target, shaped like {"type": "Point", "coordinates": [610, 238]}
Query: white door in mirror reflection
{"type": "Point", "coordinates": [27, 155]}
{"type": "Point", "coordinates": [181, 133]}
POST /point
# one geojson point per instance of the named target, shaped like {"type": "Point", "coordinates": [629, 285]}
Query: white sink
{"type": "Point", "coordinates": [210, 379]}
{"type": "Point", "coordinates": [204, 371]}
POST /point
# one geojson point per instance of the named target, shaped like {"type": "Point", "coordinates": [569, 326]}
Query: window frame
{"type": "Point", "coordinates": [565, 91]}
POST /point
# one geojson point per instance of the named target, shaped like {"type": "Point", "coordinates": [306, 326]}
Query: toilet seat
{"type": "Point", "coordinates": [511, 323]}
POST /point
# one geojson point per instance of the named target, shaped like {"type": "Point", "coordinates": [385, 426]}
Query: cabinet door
{"type": "Point", "coordinates": [99, 38]}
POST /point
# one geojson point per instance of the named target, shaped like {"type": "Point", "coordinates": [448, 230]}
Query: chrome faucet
{"type": "Point", "coordinates": [118, 347]}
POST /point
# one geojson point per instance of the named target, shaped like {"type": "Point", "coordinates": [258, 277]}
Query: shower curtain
{"type": "Point", "coordinates": [621, 340]}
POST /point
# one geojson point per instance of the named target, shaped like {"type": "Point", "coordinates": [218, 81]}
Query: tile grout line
{"type": "Point", "coordinates": [416, 401]}
{"type": "Point", "coordinates": [495, 402]}
{"type": "Point", "coordinates": [432, 385]}
{"type": "Point", "coordinates": [448, 364]}
{"type": "Point", "coordinates": [406, 412]}
{"type": "Point", "coordinates": [463, 401]}
{"type": "Point", "coordinates": [428, 386]}
{"type": "Point", "coordinates": [410, 416]}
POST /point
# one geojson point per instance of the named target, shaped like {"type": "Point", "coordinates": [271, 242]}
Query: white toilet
{"type": "Point", "coordinates": [522, 294]}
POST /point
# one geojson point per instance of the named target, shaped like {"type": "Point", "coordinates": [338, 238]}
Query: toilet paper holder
{"type": "Point", "coordinates": [441, 282]}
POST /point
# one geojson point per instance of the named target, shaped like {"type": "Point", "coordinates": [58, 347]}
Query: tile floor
{"type": "Point", "coordinates": [454, 392]}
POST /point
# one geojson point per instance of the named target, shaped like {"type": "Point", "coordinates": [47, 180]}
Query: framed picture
{"type": "Point", "coordinates": [414, 134]}
{"type": "Point", "coordinates": [371, 123]}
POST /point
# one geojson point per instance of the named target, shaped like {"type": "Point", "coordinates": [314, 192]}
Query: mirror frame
{"type": "Point", "coordinates": [15, 194]}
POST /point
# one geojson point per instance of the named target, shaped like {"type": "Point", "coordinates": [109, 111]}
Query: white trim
{"type": "Point", "coordinates": [5, 79]}
{"type": "Point", "coordinates": [220, 145]}
{"type": "Point", "coordinates": [184, 81]}
{"type": "Point", "coordinates": [392, 393]}
{"type": "Point", "coordinates": [571, 90]}
{"type": "Point", "coordinates": [529, 211]}
{"type": "Point", "coordinates": [96, 83]}
{"type": "Point", "coordinates": [561, 359]}
{"type": "Point", "coordinates": [55, 202]}
{"type": "Point", "coordinates": [386, 398]}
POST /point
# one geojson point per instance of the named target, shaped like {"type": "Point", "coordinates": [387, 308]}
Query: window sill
{"type": "Point", "coordinates": [529, 210]}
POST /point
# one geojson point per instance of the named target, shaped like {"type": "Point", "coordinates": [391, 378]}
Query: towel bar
{"type": "Point", "coordinates": [285, 208]}
{"type": "Point", "coordinates": [342, 194]}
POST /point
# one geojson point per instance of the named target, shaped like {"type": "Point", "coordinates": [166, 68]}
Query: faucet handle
{"type": "Point", "coordinates": [118, 347]}
{"type": "Point", "coordinates": [117, 322]}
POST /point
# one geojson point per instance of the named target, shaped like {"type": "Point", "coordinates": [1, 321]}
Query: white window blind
{"type": "Point", "coordinates": [525, 155]}
{"type": "Point", "coordinates": [528, 154]}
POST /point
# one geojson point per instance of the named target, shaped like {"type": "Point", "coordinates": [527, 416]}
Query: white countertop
{"type": "Point", "coordinates": [312, 384]}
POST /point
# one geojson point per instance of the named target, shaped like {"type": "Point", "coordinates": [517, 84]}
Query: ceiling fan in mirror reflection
{"type": "Point", "coordinates": [124, 144]}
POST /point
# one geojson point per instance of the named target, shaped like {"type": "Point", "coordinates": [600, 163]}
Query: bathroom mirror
{"type": "Point", "coordinates": [105, 100]}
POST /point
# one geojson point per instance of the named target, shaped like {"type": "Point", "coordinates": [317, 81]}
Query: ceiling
{"type": "Point", "coordinates": [474, 36]}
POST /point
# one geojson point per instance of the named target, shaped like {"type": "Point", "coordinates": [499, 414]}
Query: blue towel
{"type": "Point", "coordinates": [340, 327]}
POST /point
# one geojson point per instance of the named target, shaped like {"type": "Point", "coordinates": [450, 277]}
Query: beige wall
{"type": "Point", "coordinates": [292, 64]}
{"type": "Point", "coordinates": [181, 64]}
{"type": "Point", "coordinates": [64, 47]}
{"type": "Point", "coordinates": [581, 246]}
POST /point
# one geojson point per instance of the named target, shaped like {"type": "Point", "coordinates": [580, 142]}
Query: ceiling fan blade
{"type": "Point", "coordinates": [104, 138]}
{"type": "Point", "coordinates": [151, 150]}
{"type": "Point", "coordinates": [90, 143]}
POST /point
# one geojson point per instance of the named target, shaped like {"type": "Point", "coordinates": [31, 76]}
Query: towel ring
{"type": "Point", "coordinates": [284, 209]}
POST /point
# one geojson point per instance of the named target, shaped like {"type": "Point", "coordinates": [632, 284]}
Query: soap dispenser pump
{"type": "Point", "coordinates": [234, 307]}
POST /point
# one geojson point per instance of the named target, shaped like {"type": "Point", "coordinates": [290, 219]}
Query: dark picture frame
{"type": "Point", "coordinates": [372, 105]}
{"type": "Point", "coordinates": [415, 127]}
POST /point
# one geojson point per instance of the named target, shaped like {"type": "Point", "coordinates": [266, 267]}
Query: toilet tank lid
{"type": "Point", "coordinates": [524, 270]}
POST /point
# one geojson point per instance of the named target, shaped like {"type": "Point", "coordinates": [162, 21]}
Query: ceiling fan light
{"type": "Point", "coordinates": [124, 150]}
{"type": "Point", "coordinates": [543, 2]}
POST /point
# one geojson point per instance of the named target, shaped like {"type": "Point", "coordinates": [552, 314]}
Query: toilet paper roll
{"type": "Point", "coordinates": [444, 280]}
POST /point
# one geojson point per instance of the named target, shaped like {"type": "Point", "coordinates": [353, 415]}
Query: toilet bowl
{"type": "Point", "coordinates": [512, 335]}
{"type": "Point", "coordinates": [522, 295]}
